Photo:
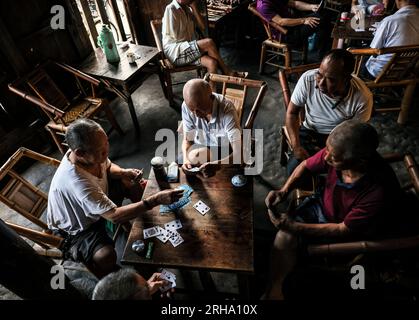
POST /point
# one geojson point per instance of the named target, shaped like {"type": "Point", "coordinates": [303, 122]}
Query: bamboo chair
{"type": "Point", "coordinates": [273, 49]}
{"type": "Point", "coordinates": [40, 89]}
{"type": "Point", "coordinates": [236, 89]}
{"type": "Point", "coordinates": [284, 76]}
{"type": "Point", "coordinates": [398, 72]}
{"type": "Point", "coordinates": [26, 199]}
{"type": "Point", "coordinates": [166, 67]}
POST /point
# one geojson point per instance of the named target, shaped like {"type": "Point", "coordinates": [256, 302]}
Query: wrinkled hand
{"type": "Point", "coordinates": [315, 7]}
{"type": "Point", "coordinates": [281, 221]}
{"type": "Point", "coordinates": [300, 153]}
{"type": "Point", "coordinates": [168, 196]}
{"type": "Point", "coordinates": [133, 174]}
{"type": "Point", "coordinates": [275, 197]}
{"type": "Point", "coordinates": [209, 169]}
{"type": "Point", "coordinates": [187, 165]}
{"type": "Point", "coordinates": [155, 282]}
{"type": "Point", "coordinates": [312, 21]}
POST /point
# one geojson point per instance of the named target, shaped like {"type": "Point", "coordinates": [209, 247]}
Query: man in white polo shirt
{"type": "Point", "coordinates": [398, 29]}
{"type": "Point", "coordinates": [329, 95]}
{"type": "Point", "coordinates": [180, 44]}
{"type": "Point", "coordinates": [210, 126]}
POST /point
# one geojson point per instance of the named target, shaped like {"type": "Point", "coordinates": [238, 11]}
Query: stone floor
{"type": "Point", "coordinates": [154, 112]}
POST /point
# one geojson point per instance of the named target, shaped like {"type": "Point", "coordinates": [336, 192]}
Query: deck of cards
{"type": "Point", "coordinates": [169, 277]}
{"type": "Point", "coordinates": [183, 202]}
{"type": "Point", "coordinates": [168, 233]}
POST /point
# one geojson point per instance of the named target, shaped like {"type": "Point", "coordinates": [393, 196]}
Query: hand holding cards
{"type": "Point", "coordinates": [169, 277]}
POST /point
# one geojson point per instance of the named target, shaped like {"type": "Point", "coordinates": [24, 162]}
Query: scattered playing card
{"type": "Point", "coordinates": [201, 207]}
{"type": "Point", "coordinates": [173, 225]}
{"type": "Point", "coordinates": [176, 239]}
{"type": "Point", "coordinates": [164, 235]}
{"type": "Point", "coordinates": [151, 232]}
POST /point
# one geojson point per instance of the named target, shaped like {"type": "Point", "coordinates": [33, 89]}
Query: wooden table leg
{"type": "Point", "coordinates": [132, 110]}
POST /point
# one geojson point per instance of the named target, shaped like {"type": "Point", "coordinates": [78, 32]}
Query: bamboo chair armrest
{"type": "Point", "coordinates": [78, 73]}
{"type": "Point", "coordinates": [365, 51]}
{"type": "Point", "coordinates": [44, 105]}
{"type": "Point", "coordinates": [363, 246]}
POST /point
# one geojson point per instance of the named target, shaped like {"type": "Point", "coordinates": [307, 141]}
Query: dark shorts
{"type": "Point", "coordinates": [82, 246]}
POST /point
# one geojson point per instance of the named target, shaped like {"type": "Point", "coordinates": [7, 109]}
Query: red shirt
{"type": "Point", "coordinates": [363, 206]}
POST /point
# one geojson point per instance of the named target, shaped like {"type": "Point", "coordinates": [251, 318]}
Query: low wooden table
{"type": "Point", "coordinates": [221, 240]}
{"type": "Point", "coordinates": [123, 78]}
{"type": "Point", "coordinates": [343, 30]}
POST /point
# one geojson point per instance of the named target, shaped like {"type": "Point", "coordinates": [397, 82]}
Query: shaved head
{"type": "Point", "coordinates": [198, 96]}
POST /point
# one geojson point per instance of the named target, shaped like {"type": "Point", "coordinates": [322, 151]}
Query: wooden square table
{"type": "Point", "coordinates": [343, 30]}
{"type": "Point", "coordinates": [221, 240]}
{"type": "Point", "coordinates": [123, 77]}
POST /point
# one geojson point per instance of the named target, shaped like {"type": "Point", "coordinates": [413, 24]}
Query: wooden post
{"type": "Point", "coordinates": [115, 9]}
{"type": "Point", "coordinates": [102, 11]}
{"type": "Point", "coordinates": [11, 52]}
{"type": "Point", "coordinates": [90, 21]}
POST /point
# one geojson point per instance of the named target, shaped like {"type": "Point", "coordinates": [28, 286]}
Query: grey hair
{"type": "Point", "coordinates": [355, 141]}
{"type": "Point", "coordinates": [120, 285]}
{"type": "Point", "coordinates": [81, 134]}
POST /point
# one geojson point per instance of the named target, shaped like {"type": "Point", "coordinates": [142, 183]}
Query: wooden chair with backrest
{"type": "Point", "coordinates": [284, 80]}
{"type": "Point", "coordinates": [26, 199]}
{"type": "Point", "coordinates": [400, 71]}
{"type": "Point", "coordinates": [166, 67]}
{"type": "Point", "coordinates": [236, 90]}
{"type": "Point", "coordinates": [79, 101]}
{"type": "Point", "coordinates": [272, 49]}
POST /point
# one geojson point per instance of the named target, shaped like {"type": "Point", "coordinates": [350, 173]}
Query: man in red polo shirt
{"type": "Point", "coordinates": [360, 192]}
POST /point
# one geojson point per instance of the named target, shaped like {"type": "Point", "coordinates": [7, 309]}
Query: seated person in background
{"type": "Point", "coordinates": [180, 44]}
{"type": "Point", "coordinates": [127, 284]}
{"type": "Point", "coordinates": [360, 196]}
{"type": "Point", "coordinates": [88, 188]}
{"type": "Point", "coordinates": [370, 7]}
{"type": "Point", "coordinates": [299, 28]}
{"type": "Point", "coordinates": [398, 29]}
{"type": "Point", "coordinates": [329, 95]}
{"type": "Point", "coordinates": [207, 118]}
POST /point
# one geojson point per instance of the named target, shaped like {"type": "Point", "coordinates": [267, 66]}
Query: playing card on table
{"type": "Point", "coordinates": [151, 232]}
{"type": "Point", "coordinates": [176, 239]}
{"type": "Point", "coordinates": [173, 225]}
{"type": "Point", "coordinates": [201, 207]}
{"type": "Point", "coordinates": [164, 235]}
